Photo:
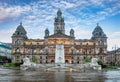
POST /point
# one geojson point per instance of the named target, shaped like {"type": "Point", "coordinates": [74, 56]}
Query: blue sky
{"type": "Point", "coordinates": [81, 15]}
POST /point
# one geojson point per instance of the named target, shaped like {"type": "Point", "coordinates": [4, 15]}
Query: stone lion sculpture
{"type": "Point", "coordinates": [94, 64]}
{"type": "Point", "coordinates": [27, 64]}
{"type": "Point", "coordinates": [94, 61]}
{"type": "Point", "coordinates": [26, 61]}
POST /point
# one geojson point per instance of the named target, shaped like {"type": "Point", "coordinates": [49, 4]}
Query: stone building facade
{"type": "Point", "coordinates": [44, 49]}
{"type": "Point", "coordinates": [113, 57]}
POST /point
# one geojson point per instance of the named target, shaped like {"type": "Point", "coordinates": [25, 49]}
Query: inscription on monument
{"type": "Point", "coordinates": [59, 54]}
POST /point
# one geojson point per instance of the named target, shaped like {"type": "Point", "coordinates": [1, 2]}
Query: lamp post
{"type": "Point", "coordinates": [47, 56]}
{"type": "Point", "coordinates": [115, 59]}
{"type": "Point", "coordinates": [94, 49]}
{"type": "Point", "coordinates": [31, 49]}
{"type": "Point", "coordinates": [72, 56]}
{"type": "Point", "coordinates": [47, 53]}
{"type": "Point", "coordinates": [6, 56]}
{"type": "Point", "coordinates": [86, 49]}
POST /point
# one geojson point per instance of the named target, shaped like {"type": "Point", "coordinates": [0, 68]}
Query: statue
{"type": "Point", "coordinates": [27, 64]}
{"type": "Point", "coordinates": [94, 61]}
{"type": "Point", "coordinates": [94, 64]}
{"type": "Point", "coordinates": [26, 61]}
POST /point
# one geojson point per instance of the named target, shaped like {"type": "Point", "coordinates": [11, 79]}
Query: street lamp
{"type": "Point", "coordinates": [47, 53]}
{"type": "Point", "coordinates": [94, 48]}
{"type": "Point", "coordinates": [115, 59]}
{"type": "Point", "coordinates": [72, 56]}
{"type": "Point", "coordinates": [6, 56]}
{"type": "Point", "coordinates": [31, 49]}
{"type": "Point", "coordinates": [86, 52]}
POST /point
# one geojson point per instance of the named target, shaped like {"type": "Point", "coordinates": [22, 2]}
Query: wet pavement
{"type": "Point", "coordinates": [8, 75]}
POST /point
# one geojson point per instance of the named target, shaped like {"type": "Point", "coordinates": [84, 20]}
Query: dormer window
{"type": "Point", "coordinates": [97, 34]}
{"type": "Point", "coordinates": [17, 50]}
{"type": "Point", "coordinates": [18, 33]}
{"type": "Point", "coordinates": [100, 34]}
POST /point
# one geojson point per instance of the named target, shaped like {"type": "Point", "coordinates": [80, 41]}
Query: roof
{"type": "Point", "coordinates": [59, 35]}
{"type": "Point", "coordinates": [20, 28]}
{"type": "Point", "coordinates": [5, 45]}
{"type": "Point", "coordinates": [83, 40]}
{"type": "Point", "coordinates": [114, 51]}
{"type": "Point", "coordinates": [98, 32]}
{"type": "Point", "coordinates": [37, 40]}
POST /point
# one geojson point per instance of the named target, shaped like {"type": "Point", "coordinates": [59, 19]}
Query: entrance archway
{"type": "Point", "coordinates": [72, 62]}
{"type": "Point", "coordinates": [41, 62]}
{"type": "Point", "coordinates": [66, 61]}
{"type": "Point", "coordinates": [52, 61]}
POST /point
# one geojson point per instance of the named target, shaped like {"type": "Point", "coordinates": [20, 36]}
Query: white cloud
{"type": "Point", "coordinates": [112, 43]}
{"type": "Point", "coordinates": [11, 12]}
{"type": "Point", "coordinates": [114, 39]}
{"type": "Point", "coordinates": [97, 2]}
{"type": "Point", "coordinates": [67, 4]}
{"type": "Point", "coordinates": [115, 35]}
{"type": "Point", "coordinates": [80, 33]}
{"type": "Point", "coordinates": [5, 35]}
{"type": "Point", "coordinates": [31, 17]}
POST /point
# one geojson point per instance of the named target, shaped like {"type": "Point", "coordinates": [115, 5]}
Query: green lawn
{"type": "Point", "coordinates": [11, 66]}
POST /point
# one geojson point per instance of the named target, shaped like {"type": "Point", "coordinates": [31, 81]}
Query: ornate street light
{"type": "Point", "coordinates": [115, 55]}
{"type": "Point", "coordinates": [72, 56]}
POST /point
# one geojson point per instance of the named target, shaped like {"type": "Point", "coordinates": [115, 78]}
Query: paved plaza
{"type": "Point", "coordinates": [58, 75]}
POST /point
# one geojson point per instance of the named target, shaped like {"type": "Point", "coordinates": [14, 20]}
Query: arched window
{"type": "Point", "coordinates": [86, 43]}
{"type": "Point", "coordinates": [90, 51]}
{"type": "Point", "coordinates": [40, 61]}
{"type": "Point", "coordinates": [15, 42]}
{"type": "Point", "coordinates": [34, 51]}
{"type": "Point", "coordinates": [81, 43]}
{"type": "Point", "coordinates": [18, 32]}
{"type": "Point", "coordinates": [19, 42]}
{"type": "Point", "coordinates": [97, 34]}
{"type": "Point", "coordinates": [101, 50]}
{"type": "Point", "coordinates": [29, 51]}
{"type": "Point", "coordinates": [57, 28]}
{"type": "Point", "coordinates": [100, 33]}
{"type": "Point", "coordinates": [101, 42]}
{"type": "Point", "coordinates": [46, 61]}
{"type": "Point", "coordinates": [72, 57]}
{"type": "Point", "coordinates": [37, 43]}
{"type": "Point", "coordinates": [17, 50]}
{"type": "Point", "coordinates": [40, 57]}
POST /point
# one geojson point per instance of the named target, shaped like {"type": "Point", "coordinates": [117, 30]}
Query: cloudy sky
{"type": "Point", "coordinates": [81, 15]}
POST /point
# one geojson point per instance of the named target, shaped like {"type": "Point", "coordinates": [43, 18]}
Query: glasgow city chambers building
{"type": "Point", "coordinates": [75, 50]}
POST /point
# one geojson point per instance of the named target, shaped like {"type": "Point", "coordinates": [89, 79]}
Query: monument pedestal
{"type": "Point", "coordinates": [59, 55]}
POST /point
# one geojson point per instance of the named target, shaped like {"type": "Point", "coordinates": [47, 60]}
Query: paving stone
{"type": "Point", "coordinates": [58, 76]}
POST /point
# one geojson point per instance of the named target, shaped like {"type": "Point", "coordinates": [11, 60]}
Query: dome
{"type": "Point", "coordinates": [59, 13]}
{"type": "Point", "coordinates": [21, 29]}
{"type": "Point", "coordinates": [98, 32]}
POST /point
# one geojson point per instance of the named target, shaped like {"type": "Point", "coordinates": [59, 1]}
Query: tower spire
{"type": "Point", "coordinates": [59, 23]}
{"type": "Point", "coordinates": [97, 24]}
{"type": "Point", "coordinates": [59, 13]}
{"type": "Point", "coordinates": [21, 23]}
